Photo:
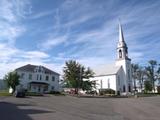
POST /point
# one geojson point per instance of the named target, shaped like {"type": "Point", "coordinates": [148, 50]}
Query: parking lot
{"type": "Point", "coordinates": [73, 108]}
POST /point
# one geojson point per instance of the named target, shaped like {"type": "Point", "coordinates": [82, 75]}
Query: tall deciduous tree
{"type": "Point", "coordinates": [12, 80]}
{"type": "Point", "coordinates": [158, 74]}
{"type": "Point", "coordinates": [74, 73]}
{"type": "Point", "coordinates": [151, 72]}
{"type": "Point", "coordinates": [141, 76]}
{"type": "Point", "coordinates": [147, 86]}
{"type": "Point", "coordinates": [135, 68]}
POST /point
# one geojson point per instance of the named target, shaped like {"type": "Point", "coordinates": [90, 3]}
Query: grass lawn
{"type": "Point", "coordinates": [5, 93]}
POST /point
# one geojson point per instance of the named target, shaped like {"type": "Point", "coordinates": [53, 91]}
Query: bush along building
{"type": "Point", "coordinates": [38, 78]}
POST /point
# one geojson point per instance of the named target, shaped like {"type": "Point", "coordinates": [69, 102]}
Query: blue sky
{"type": "Point", "coordinates": [49, 32]}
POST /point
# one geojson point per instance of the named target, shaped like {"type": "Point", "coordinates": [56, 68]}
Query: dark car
{"type": "Point", "coordinates": [20, 93]}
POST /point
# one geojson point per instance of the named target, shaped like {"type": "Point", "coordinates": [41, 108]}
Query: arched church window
{"type": "Point", "coordinates": [101, 84]}
{"type": "Point", "coordinates": [118, 80]}
{"type": "Point", "coordinates": [128, 75]}
{"type": "Point", "coordinates": [108, 83]}
{"type": "Point", "coordinates": [120, 53]}
{"type": "Point", "coordinates": [129, 88]}
{"type": "Point", "coordinates": [124, 88]}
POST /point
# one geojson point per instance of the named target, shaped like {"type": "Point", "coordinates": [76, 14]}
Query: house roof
{"type": "Point", "coordinates": [31, 68]}
{"type": "Point", "coordinates": [104, 70]}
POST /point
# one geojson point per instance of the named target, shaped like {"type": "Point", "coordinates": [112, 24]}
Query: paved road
{"type": "Point", "coordinates": [72, 108]}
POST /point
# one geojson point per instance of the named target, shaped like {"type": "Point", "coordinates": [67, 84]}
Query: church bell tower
{"type": "Point", "coordinates": [122, 48]}
{"type": "Point", "coordinates": [124, 61]}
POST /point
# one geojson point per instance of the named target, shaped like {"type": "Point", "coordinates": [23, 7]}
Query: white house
{"type": "Point", "coordinates": [117, 76]}
{"type": "Point", "coordinates": [38, 78]}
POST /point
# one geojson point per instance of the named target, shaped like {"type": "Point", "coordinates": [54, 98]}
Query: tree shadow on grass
{"type": "Point", "coordinates": [10, 111]}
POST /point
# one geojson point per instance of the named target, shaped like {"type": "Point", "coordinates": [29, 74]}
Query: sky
{"type": "Point", "coordinates": [50, 32]}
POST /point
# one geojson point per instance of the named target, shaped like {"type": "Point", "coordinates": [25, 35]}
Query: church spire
{"type": "Point", "coordinates": [121, 37]}
{"type": "Point", "coordinates": [122, 48]}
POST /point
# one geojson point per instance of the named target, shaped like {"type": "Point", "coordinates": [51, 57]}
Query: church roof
{"type": "Point", "coordinates": [106, 70]}
{"type": "Point", "coordinates": [31, 68]}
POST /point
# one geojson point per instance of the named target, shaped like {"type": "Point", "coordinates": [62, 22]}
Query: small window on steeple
{"type": "Point", "coordinates": [126, 52]}
{"type": "Point", "coordinates": [120, 53]}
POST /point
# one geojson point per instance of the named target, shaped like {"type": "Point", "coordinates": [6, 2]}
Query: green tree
{"type": "Point", "coordinates": [147, 86]}
{"type": "Point", "coordinates": [158, 74]}
{"type": "Point", "coordinates": [151, 71]}
{"type": "Point", "coordinates": [88, 85]}
{"type": "Point", "coordinates": [141, 76]}
{"type": "Point", "coordinates": [12, 80]}
{"type": "Point", "coordinates": [74, 73]}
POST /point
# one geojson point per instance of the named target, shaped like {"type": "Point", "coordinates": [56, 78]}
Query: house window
{"type": "Point", "coordinates": [30, 77]}
{"type": "Point", "coordinates": [37, 76]}
{"type": "Point", "coordinates": [22, 75]}
{"type": "Point", "coordinates": [53, 78]}
{"type": "Point", "coordinates": [52, 88]}
{"type": "Point", "coordinates": [47, 78]}
{"type": "Point", "coordinates": [40, 77]}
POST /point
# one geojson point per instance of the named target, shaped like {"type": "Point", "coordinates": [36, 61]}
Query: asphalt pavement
{"type": "Point", "coordinates": [73, 108]}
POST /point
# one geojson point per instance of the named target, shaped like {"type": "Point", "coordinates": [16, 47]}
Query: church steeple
{"type": "Point", "coordinates": [122, 48]}
{"type": "Point", "coordinates": [121, 37]}
{"type": "Point", "coordinates": [124, 62]}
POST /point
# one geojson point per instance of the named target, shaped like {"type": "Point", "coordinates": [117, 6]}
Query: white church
{"type": "Point", "coordinates": [117, 76]}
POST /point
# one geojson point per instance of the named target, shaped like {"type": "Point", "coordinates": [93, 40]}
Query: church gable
{"type": "Point", "coordinates": [107, 70]}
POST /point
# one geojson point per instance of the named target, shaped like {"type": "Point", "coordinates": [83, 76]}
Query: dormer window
{"type": "Point", "coordinates": [39, 69]}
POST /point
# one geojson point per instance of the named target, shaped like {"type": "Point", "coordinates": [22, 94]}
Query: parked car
{"type": "Point", "coordinates": [20, 93]}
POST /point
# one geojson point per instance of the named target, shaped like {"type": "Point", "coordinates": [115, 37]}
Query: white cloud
{"type": "Point", "coordinates": [41, 14]}
{"type": "Point", "coordinates": [22, 8]}
{"type": "Point", "coordinates": [35, 54]}
{"type": "Point", "coordinates": [53, 41]}
{"type": "Point", "coordinates": [10, 26]}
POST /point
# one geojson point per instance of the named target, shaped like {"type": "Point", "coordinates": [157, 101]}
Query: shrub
{"type": "Point", "coordinates": [54, 92]}
{"type": "Point", "coordinates": [158, 89]}
{"type": "Point", "coordinates": [91, 92]}
{"type": "Point", "coordinates": [33, 94]}
{"type": "Point", "coordinates": [106, 91]}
